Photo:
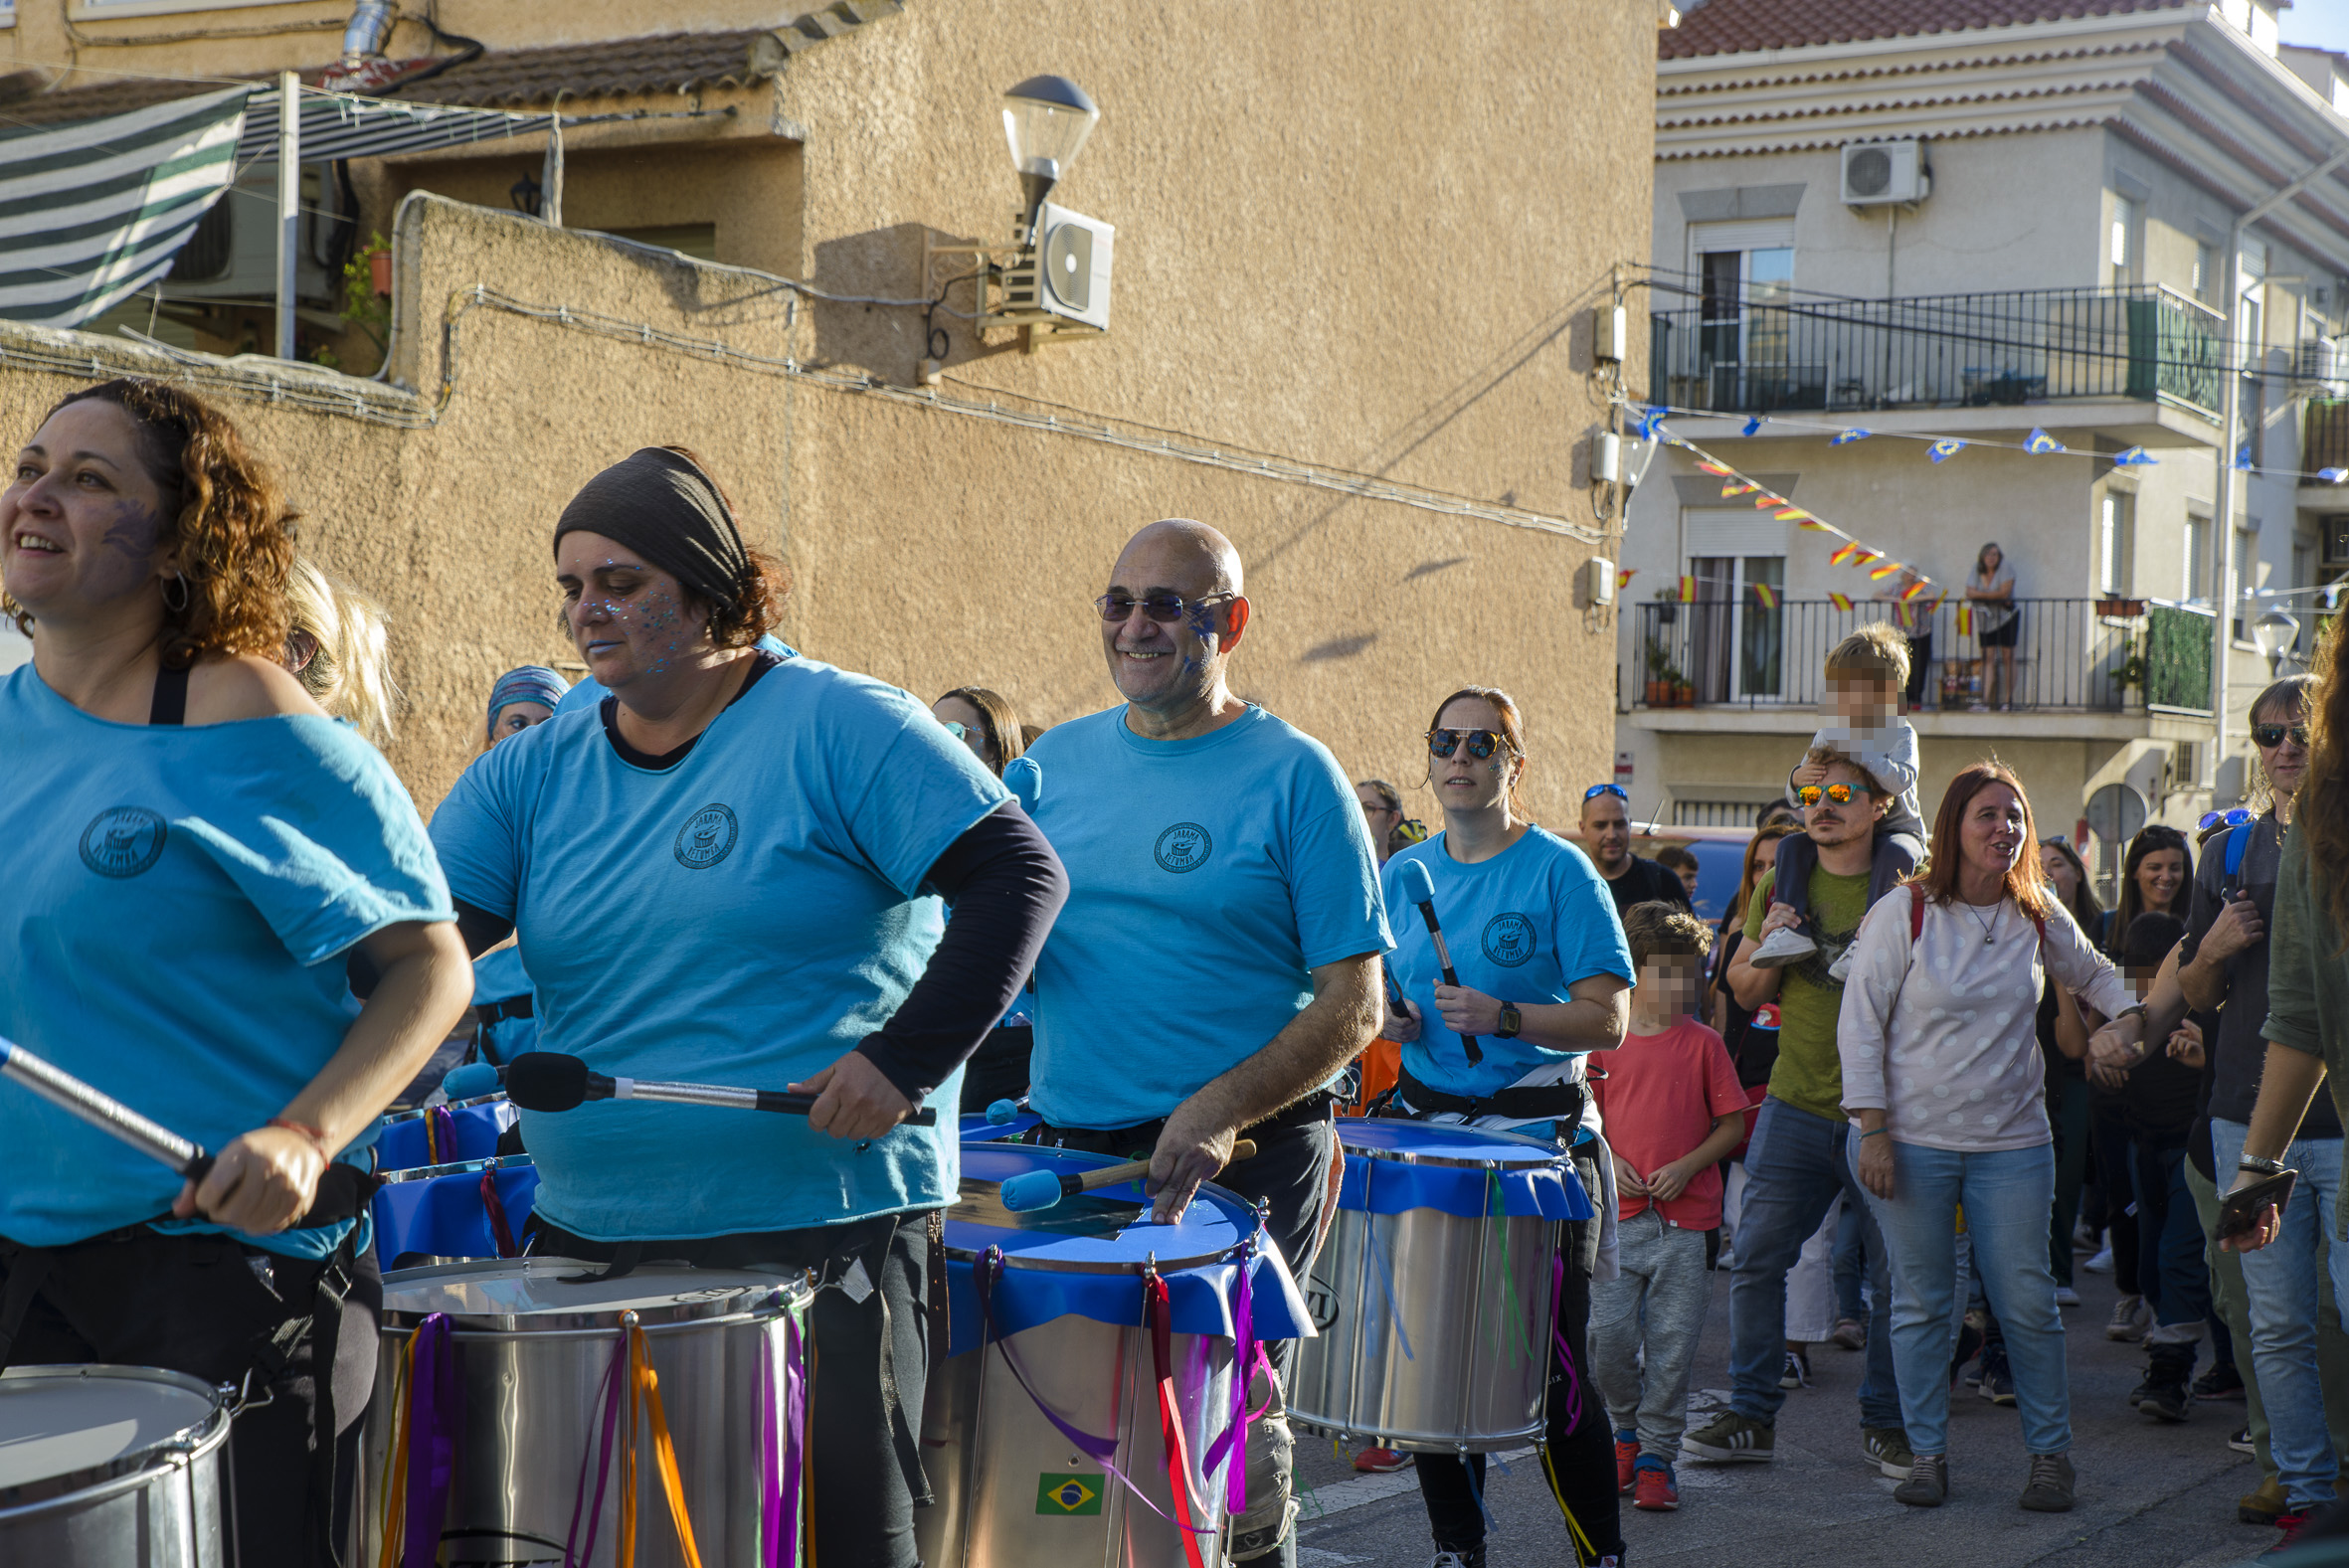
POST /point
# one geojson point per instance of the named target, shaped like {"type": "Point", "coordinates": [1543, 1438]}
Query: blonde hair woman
{"type": "Point", "coordinates": [339, 649]}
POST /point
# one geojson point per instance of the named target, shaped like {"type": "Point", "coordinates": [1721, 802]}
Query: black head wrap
{"type": "Point", "coordinates": [659, 504]}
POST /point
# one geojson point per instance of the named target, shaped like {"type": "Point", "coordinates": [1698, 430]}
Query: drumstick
{"type": "Point", "coordinates": [549, 1081]}
{"type": "Point", "coordinates": [1041, 1189]}
{"type": "Point", "coordinates": [1419, 888]}
{"type": "Point", "coordinates": [103, 1112]}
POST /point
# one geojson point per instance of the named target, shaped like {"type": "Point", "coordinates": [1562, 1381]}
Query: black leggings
{"type": "Point", "coordinates": [2108, 1147]}
{"type": "Point", "coordinates": [1580, 1453]}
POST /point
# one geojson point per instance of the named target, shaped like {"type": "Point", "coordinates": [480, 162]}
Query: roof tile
{"type": "Point", "coordinates": [1735, 27]}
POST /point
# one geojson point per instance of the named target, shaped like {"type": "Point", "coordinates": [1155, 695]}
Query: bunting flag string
{"type": "Point", "coordinates": [1839, 601]}
{"type": "Point", "coordinates": [1623, 577]}
{"type": "Point", "coordinates": [1945, 448]}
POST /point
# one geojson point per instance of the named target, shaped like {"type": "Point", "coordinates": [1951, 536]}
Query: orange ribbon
{"type": "Point", "coordinates": [643, 1385]}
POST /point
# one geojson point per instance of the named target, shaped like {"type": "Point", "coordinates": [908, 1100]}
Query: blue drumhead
{"type": "Point", "coordinates": [1107, 1230]}
{"type": "Point", "coordinates": [977, 1128]}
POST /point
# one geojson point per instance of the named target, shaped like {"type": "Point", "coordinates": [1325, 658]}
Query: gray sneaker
{"type": "Point", "coordinates": [1731, 1437]}
{"type": "Point", "coordinates": [1928, 1486]}
{"type": "Point", "coordinates": [1787, 944]}
{"type": "Point", "coordinates": [1841, 970]}
{"type": "Point", "coordinates": [2050, 1489]}
{"type": "Point", "coordinates": [1886, 1448]}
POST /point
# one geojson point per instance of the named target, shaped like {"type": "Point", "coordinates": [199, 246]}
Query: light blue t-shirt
{"type": "Point", "coordinates": [586, 692]}
{"type": "Point", "coordinates": [1522, 927]}
{"type": "Point", "coordinates": [174, 905]}
{"type": "Point", "coordinates": [743, 918]}
{"type": "Point", "coordinates": [1207, 879]}
{"type": "Point", "coordinates": [498, 976]}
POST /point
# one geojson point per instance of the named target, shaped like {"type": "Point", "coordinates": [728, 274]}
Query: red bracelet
{"type": "Point", "coordinates": [315, 1135]}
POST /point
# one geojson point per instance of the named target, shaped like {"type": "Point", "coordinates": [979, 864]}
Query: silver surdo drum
{"type": "Point", "coordinates": [1435, 1294]}
{"type": "Point", "coordinates": [113, 1466]}
{"type": "Point", "coordinates": [516, 1377]}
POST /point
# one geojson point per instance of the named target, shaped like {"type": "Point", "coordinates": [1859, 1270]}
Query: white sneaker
{"type": "Point", "coordinates": [1782, 947]}
{"type": "Point", "coordinates": [2102, 1262]}
{"type": "Point", "coordinates": [2065, 1296]}
{"type": "Point", "coordinates": [2131, 1318]}
{"type": "Point", "coordinates": [1841, 970]}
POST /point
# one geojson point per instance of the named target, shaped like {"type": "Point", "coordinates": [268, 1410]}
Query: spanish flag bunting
{"type": "Point", "coordinates": [1717, 470]}
{"type": "Point", "coordinates": [1965, 621]}
{"type": "Point", "coordinates": [1806, 520]}
{"type": "Point", "coordinates": [1844, 554]}
{"type": "Point", "coordinates": [1793, 515]}
{"type": "Point", "coordinates": [1623, 577]}
{"type": "Point", "coordinates": [1766, 595]}
{"type": "Point", "coordinates": [1862, 554]}
{"type": "Point", "coordinates": [1888, 566]}
{"type": "Point", "coordinates": [1914, 590]}
{"type": "Point", "coordinates": [1687, 589]}
{"type": "Point", "coordinates": [1839, 601]}
{"type": "Point", "coordinates": [1764, 501]}
{"type": "Point", "coordinates": [1737, 487]}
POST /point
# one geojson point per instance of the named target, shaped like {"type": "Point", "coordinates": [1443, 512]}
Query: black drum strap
{"type": "Point", "coordinates": [274, 1352]}
{"type": "Point", "coordinates": [28, 1270]}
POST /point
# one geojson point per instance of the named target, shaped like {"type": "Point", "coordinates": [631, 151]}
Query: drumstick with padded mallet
{"type": "Point", "coordinates": [549, 1081]}
{"type": "Point", "coordinates": [1041, 1189]}
{"type": "Point", "coordinates": [103, 1112]}
{"type": "Point", "coordinates": [1419, 888]}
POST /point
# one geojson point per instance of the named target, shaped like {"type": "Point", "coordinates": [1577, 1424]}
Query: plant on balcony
{"type": "Point", "coordinates": [2129, 673]}
{"type": "Point", "coordinates": [1665, 683]}
{"type": "Point", "coordinates": [2114, 608]}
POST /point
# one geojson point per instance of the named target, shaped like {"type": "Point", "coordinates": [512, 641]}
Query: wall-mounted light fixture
{"type": "Point", "coordinates": [1051, 282]}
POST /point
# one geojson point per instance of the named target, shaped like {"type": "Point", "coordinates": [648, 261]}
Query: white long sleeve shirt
{"type": "Point", "coordinates": [1942, 1038]}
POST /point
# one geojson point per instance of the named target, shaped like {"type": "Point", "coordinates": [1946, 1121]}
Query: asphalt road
{"type": "Point", "coordinates": [2150, 1496]}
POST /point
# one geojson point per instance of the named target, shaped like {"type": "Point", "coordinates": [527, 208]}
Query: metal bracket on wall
{"type": "Point", "coordinates": [1008, 288]}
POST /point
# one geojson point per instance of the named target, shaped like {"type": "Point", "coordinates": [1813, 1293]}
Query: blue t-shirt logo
{"type": "Point", "coordinates": [1184, 847]}
{"type": "Point", "coordinates": [1509, 939]}
{"type": "Point", "coordinates": [124, 841]}
{"type": "Point", "coordinates": [707, 838]}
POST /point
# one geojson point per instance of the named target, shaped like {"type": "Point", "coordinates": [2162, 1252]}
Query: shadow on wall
{"type": "Point", "coordinates": [1338, 649]}
{"type": "Point", "coordinates": [883, 263]}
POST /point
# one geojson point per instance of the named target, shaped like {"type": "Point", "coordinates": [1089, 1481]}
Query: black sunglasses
{"type": "Point", "coordinates": [1165, 609]}
{"type": "Point", "coordinates": [1480, 743]}
{"type": "Point", "coordinates": [2272, 736]}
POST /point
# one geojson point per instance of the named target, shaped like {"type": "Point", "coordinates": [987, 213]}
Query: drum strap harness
{"type": "Point", "coordinates": [1531, 1103]}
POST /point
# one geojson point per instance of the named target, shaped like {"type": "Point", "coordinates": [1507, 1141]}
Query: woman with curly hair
{"type": "Point", "coordinates": [185, 841]}
{"type": "Point", "coordinates": [733, 866]}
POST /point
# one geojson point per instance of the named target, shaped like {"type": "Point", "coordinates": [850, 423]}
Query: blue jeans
{"type": "Point", "coordinates": [1851, 1262]}
{"type": "Point", "coordinates": [1794, 1168]}
{"type": "Point", "coordinates": [2280, 1281]}
{"type": "Point", "coordinates": [2169, 1239]}
{"type": "Point", "coordinates": [2006, 1193]}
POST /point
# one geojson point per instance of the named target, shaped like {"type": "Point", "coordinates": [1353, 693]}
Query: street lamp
{"type": "Point", "coordinates": [1046, 121]}
{"type": "Point", "coordinates": [2275, 633]}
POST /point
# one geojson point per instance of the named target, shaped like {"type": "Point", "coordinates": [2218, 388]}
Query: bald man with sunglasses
{"type": "Point", "coordinates": [1217, 962]}
{"type": "Point", "coordinates": [1606, 834]}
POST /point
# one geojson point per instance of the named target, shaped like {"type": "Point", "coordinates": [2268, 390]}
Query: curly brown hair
{"type": "Point", "coordinates": [2321, 812]}
{"type": "Point", "coordinates": [225, 511]}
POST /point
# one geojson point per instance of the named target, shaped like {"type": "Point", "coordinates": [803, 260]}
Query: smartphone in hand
{"type": "Point", "coordinates": [2241, 1208]}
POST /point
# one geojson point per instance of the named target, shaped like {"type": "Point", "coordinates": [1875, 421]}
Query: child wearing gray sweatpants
{"type": "Point", "coordinates": [1672, 1110]}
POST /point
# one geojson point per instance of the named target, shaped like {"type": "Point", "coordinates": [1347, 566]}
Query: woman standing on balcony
{"type": "Point", "coordinates": [1991, 591]}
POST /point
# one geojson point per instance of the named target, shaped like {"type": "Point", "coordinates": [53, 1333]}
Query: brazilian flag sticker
{"type": "Point", "coordinates": [1057, 1494]}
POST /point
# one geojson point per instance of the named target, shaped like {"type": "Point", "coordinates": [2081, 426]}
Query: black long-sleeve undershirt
{"type": "Point", "coordinates": [1004, 886]}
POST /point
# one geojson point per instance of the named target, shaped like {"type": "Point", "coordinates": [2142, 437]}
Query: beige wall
{"type": "Point", "coordinates": [1345, 236]}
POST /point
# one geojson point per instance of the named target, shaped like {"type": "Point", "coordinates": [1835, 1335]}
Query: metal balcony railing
{"type": "Point", "coordinates": [2076, 656]}
{"type": "Point", "coordinates": [2325, 439]}
{"type": "Point", "coordinates": [1937, 351]}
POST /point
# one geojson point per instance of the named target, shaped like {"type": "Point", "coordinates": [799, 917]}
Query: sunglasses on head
{"type": "Point", "coordinates": [1480, 743]}
{"type": "Point", "coordinates": [1165, 609]}
{"type": "Point", "coordinates": [1615, 790]}
{"type": "Point", "coordinates": [1838, 793]}
{"type": "Point", "coordinates": [2272, 736]}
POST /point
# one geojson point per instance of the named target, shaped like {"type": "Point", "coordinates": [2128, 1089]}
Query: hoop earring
{"type": "Point", "coordinates": [181, 606]}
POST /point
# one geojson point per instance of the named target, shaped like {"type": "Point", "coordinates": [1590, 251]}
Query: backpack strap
{"type": "Point", "coordinates": [2238, 842]}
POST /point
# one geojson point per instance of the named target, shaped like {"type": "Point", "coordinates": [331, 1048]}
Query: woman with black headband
{"type": "Point", "coordinates": [731, 871]}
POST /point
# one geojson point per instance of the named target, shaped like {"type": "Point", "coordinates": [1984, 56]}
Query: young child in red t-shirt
{"type": "Point", "coordinates": [1673, 1110]}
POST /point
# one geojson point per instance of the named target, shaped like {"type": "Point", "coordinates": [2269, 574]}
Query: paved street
{"type": "Point", "coordinates": [2150, 1496]}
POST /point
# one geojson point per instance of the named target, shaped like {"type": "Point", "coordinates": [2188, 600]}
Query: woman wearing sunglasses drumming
{"type": "Point", "coordinates": [1545, 976]}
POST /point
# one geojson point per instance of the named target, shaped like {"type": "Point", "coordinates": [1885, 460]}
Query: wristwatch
{"type": "Point", "coordinates": [2264, 1167]}
{"type": "Point", "coordinates": [1511, 1021]}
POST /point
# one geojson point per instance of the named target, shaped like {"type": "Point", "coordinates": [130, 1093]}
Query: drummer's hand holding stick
{"type": "Point", "coordinates": [853, 1099]}
{"type": "Point", "coordinates": [1311, 1049]}
{"type": "Point", "coordinates": [266, 1179]}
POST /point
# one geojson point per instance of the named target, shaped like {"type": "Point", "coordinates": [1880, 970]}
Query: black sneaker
{"type": "Point", "coordinates": [1796, 1374]}
{"type": "Point", "coordinates": [2166, 1399]}
{"type": "Point", "coordinates": [2220, 1383]}
{"type": "Point", "coordinates": [1998, 1386]}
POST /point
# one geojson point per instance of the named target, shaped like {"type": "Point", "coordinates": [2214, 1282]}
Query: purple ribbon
{"type": "Point", "coordinates": [614, 1390]}
{"type": "Point", "coordinates": [436, 1413]}
{"type": "Point", "coordinates": [1246, 1354]}
{"type": "Point", "coordinates": [1565, 1357]}
{"type": "Point", "coordinates": [780, 1456]}
{"type": "Point", "coordinates": [439, 1135]}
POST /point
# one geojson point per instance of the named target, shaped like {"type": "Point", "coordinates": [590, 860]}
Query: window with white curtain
{"type": "Point", "coordinates": [2116, 527]}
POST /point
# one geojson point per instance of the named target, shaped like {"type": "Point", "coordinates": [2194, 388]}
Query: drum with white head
{"type": "Point", "coordinates": [115, 1464]}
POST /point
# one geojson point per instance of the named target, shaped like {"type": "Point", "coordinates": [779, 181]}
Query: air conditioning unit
{"type": "Point", "coordinates": [2320, 361]}
{"type": "Point", "coordinates": [1880, 173]}
{"type": "Point", "coordinates": [1067, 277]}
{"type": "Point", "coordinates": [232, 253]}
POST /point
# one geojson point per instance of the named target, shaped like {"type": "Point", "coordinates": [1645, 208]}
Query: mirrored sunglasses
{"type": "Point", "coordinates": [1480, 743]}
{"type": "Point", "coordinates": [2272, 736]}
{"type": "Point", "coordinates": [1837, 793]}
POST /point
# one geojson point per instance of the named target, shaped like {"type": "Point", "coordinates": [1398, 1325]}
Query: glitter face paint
{"type": "Point", "coordinates": [628, 620]}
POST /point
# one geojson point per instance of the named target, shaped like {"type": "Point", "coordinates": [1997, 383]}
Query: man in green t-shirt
{"type": "Point", "coordinates": [1797, 1162]}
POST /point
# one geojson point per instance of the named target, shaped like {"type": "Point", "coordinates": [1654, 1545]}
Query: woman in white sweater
{"type": "Point", "coordinates": [1942, 1079]}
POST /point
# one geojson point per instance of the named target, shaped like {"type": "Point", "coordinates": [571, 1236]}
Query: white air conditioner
{"type": "Point", "coordinates": [2321, 360]}
{"type": "Point", "coordinates": [1074, 264]}
{"type": "Point", "coordinates": [1879, 173]}
{"type": "Point", "coordinates": [232, 253]}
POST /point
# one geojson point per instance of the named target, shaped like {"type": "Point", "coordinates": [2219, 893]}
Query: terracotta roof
{"type": "Point", "coordinates": [1735, 27]}
{"type": "Point", "coordinates": [671, 62]}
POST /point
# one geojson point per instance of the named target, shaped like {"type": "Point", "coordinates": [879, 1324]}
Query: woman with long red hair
{"type": "Point", "coordinates": [1943, 1081]}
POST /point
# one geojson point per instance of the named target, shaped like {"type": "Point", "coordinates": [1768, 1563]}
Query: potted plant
{"type": "Point", "coordinates": [1661, 675]}
{"type": "Point", "coordinates": [2114, 608]}
{"type": "Point", "coordinates": [2129, 674]}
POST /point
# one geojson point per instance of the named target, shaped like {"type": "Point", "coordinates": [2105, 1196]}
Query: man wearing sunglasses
{"type": "Point", "coordinates": [1217, 964]}
{"type": "Point", "coordinates": [1796, 1162]}
{"type": "Point", "coordinates": [1606, 834]}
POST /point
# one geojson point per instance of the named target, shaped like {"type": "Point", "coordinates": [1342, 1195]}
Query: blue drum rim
{"type": "Point", "coordinates": [1549, 1154]}
{"type": "Point", "coordinates": [97, 1482]}
{"type": "Point", "coordinates": [1131, 1266]}
{"type": "Point", "coordinates": [462, 1168]}
{"type": "Point", "coordinates": [414, 1112]}
{"type": "Point", "coordinates": [781, 1295]}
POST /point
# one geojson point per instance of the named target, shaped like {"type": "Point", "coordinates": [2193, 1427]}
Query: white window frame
{"type": "Point", "coordinates": [1715, 532]}
{"type": "Point", "coordinates": [2117, 528]}
{"type": "Point", "coordinates": [2196, 560]}
{"type": "Point", "coordinates": [2120, 234]}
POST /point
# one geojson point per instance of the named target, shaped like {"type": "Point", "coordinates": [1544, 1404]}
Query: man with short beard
{"type": "Point", "coordinates": [1797, 1162]}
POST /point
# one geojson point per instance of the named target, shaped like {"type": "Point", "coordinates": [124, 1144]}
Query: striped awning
{"type": "Point", "coordinates": [90, 214]}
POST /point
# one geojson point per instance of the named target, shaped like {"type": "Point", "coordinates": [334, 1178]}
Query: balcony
{"type": "Point", "coordinates": [2073, 656]}
{"type": "Point", "coordinates": [1946, 351]}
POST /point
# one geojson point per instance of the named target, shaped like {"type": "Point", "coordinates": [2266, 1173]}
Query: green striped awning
{"type": "Point", "coordinates": [91, 213]}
